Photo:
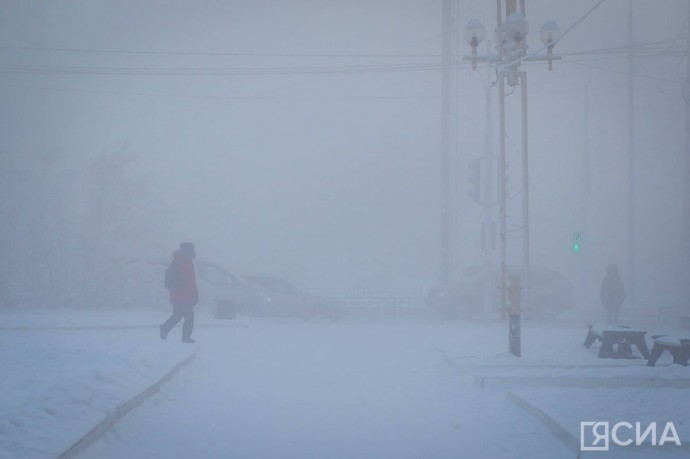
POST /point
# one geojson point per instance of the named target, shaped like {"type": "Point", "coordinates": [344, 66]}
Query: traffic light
{"type": "Point", "coordinates": [505, 181]}
{"type": "Point", "coordinates": [474, 178]}
{"type": "Point", "coordinates": [507, 177]}
{"type": "Point", "coordinates": [577, 238]}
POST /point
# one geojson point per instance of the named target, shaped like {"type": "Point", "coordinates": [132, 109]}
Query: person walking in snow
{"type": "Point", "coordinates": [612, 294]}
{"type": "Point", "coordinates": [180, 280]}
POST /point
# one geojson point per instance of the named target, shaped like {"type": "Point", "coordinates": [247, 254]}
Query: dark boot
{"type": "Point", "coordinates": [188, 325]}
{"type": "Point", "coordinates": [163, 332]}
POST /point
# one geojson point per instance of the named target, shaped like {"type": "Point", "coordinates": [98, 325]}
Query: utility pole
{"type": "Point", "coordinates": [632, 270]}
{"type": "Point", "coordinates": [502, 179]}
{"type": "Point", "coordinates": [488, 228]}
{"type": "Point", "coordinates": [525, 193]}
{"type": "Point", "coordinates": [511, 37]}
{"type": "Point", "coordinates": [445, 144]}
{"type": "Point", "coordinates": [585, 295]}
{"type": "Point", "coordinates": [686, 233]}
{"type": "Point", "coordinates": [502, 192]}
{"type": "Point", "coordinates": [449, 126]}
{"type": "Point", "coordinates": [510, 57]}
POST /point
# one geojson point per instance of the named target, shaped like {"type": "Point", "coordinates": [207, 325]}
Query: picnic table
{"type": "Point", "coordinates": [677, 345]}
{"type": "Point", "coordinates": [617, 341]}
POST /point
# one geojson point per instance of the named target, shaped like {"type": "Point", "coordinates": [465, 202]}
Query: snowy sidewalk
{"type": "Point", "coordinates": [565, 408]}
{"type": "Point", "coordinates": [293, 388]}
{"type": "Point", "coordinates": [58, 384]}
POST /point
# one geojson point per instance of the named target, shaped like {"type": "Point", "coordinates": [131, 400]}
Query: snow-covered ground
{"type": "Point", "coordinates": [293, 388]}
{"type": "Point", "coordinates": [57, 384]}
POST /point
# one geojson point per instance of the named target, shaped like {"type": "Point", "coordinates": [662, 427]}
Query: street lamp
{"type": "Point", "coordinates": [511, 44]}
{"type": "Point", "coordinates": [474, 34]}
{"type": "Point", "coordinates": [549, 34]}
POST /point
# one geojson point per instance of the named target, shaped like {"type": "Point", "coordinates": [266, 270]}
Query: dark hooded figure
{"type": "Point", "coordinates": [612, 294]}
{"type": "Point", "coordinates": [184, 295]}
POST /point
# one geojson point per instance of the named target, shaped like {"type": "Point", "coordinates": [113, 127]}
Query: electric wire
{"type": "Point", "coordinates": [644, 50]}
{"type": "Point", "coordinates": [218, 54]}
{"type": "Point", "coordinates": [668, 80]}
{"type": "Point", "coordinates": [661, 48]}
{"type": "Point", "coordinates": [302, 70]}
{"type": "Point", "coordinates": [575, 24]}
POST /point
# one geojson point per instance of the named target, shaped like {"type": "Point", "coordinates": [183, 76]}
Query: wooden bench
{"type": "Point", "coordinates": [678, 346]}
{"type": "Point", "coordinates": [622, 338]}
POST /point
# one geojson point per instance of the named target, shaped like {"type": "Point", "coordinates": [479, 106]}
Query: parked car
{"type": "Point", "coordinates": [289, 301]}
{"type": "Point", "coordinates": [223, 293]}
{"type": "Point", "coordinates": [550, 293]}
{"type": "Point", "coordinates": [228, 294]}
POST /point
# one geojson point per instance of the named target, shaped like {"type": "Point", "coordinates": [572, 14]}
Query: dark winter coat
{"type": "Point", "coordinates": [188, 293]}
{"type": "Point", "coordinates": [612, 291]}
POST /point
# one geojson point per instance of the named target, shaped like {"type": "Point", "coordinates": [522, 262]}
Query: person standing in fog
{"type": "Point", "coordinates": [180, 280]}
{"type": "Point", "coordinates": [612, 294]}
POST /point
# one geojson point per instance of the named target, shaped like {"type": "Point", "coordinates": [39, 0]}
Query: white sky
{"type": "Point", "coordinates": [333, 179]}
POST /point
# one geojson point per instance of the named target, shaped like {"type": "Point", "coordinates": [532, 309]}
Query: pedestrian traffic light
{"type": "Point", "coordinates": [577, 238]}
{"type": "Point", "coordinates": [507, 176]}
{"type": "Point", "coordinates": [474, 178]}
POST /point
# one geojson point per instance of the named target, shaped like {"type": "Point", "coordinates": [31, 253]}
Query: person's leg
{"type": "Point", "coordinates": [615, 315]}
{"type": "Point", "coordinates": [609, 316]}
{"type": "Point", "coordinates": [188, 324]}
{"type": "Point", "coordinates": [176, 316]}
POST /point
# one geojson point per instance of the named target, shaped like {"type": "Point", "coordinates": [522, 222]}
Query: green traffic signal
{"type": "Point", "coordinates": [577, 236]}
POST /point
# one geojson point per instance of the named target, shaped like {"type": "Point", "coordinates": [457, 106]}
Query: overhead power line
{"type": "Point", "coordinates": [198, 71]}
{"type": "Point", "coordinates": [585, 16]}
{"type": "Point", "coordinates": [649, 77]}
{"type": "Point", "coordinates": [575, 57]}
{"type": "Point", "coordinates": [215, 54]}
{"type": "Point", "coordinates": [575, 24]}
{"type": "Point", "coordinates": [298, 55]}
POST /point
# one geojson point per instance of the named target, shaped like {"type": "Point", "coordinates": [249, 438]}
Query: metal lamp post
{"type": "Point", "coordinates": [474, 34]}
{"type": "Point", "coordinates": [549, 35]}
{"type": "Point", "coordinates": [511, 44]}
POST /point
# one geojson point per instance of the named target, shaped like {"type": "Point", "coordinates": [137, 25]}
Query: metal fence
{"type": "Point", "coordinates": [675, 316]}
{"type": "Point", "coordinates": [379, 303]}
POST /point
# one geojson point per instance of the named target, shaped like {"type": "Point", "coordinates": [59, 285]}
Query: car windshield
{"type": "Point", "coordinates": [272, 284]}
{"type": "Point", "coordinates": [216, 275]}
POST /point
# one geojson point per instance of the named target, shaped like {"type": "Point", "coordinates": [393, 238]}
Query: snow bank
{"type": "Point", "coordinates": [58, 384]}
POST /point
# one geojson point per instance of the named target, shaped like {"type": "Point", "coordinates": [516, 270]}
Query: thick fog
{"type": "Point", "coordinates": [303, 139]}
